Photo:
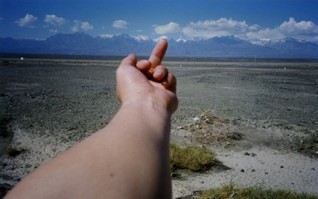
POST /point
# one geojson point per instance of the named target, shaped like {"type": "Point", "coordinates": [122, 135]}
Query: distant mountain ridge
{"type": "Point", "coordinates": [123, 44]}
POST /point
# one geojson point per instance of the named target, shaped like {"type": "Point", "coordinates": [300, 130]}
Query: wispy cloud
{"type": "Point", "coordinates": [142, 37]}
{"type": "Point", "coordinates": [106, 36]}
{"type": "Point", "coordinates": [216, 28]}
{"type": "Point", "coordinates": [207, 29]}
{"type": "Point", "coordinates": [263, 36]}
{"type": "Point", "coordinates": [54, 30]}
{"type": "Point", "coordinates": [27, 21]}
{"type": "Point", "coordinates": [171, 27]}
{"type": "Point", "coordinates": [81, 26]}
{"type": "Point", "coordinates": [54, 20]}
{"type": "Point", "coordinates": [120, 24]}
{"type": "Point", "coordinates": [302, 30]}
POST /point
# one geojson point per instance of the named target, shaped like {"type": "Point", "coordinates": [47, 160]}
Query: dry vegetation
{"type": "Point", "coordinates": [192, 158]}
{"type": "Point", "coordinates": [229, 191]}
{"type": "Point", "coordinates": [209, 129]}
{"type": "Point", "coordinates": [307, 145]}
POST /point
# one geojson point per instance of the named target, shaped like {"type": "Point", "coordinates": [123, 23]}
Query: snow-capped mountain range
{"type": "Point", "coordinates": [123, 44]}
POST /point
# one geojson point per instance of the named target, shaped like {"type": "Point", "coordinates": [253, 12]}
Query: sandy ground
{"type": "Point", "coordinates": [269, 168]}
{"type": "Point", "coordinates": [53, 104]}
{"type": "Point", "coordinates": [257, 165]}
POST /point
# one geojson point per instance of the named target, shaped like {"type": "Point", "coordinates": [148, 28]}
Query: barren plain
{"type": "Point", "coordinates": [262, 117]}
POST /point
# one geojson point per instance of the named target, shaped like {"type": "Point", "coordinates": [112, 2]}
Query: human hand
{"type": "Point", "coordinates": [147, 82]}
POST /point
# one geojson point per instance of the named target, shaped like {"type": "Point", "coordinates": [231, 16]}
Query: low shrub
{"type": "Point", "coordinates": [191, 158]}
{"type": "Point", "coordinates": [229, 191]}
{"type": "Point", "coordinates": [307, 145]}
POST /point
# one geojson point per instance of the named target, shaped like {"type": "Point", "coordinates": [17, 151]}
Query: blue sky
{"type": "Point", "coordinates": [257, 21]}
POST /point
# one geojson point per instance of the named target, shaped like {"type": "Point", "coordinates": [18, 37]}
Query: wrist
{"type": "Point", "coordinates": [152, 118]}
{"type": "Point", "coordinates": [148, 106]}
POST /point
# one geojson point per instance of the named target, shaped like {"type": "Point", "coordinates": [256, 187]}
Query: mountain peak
{"type": "Point", "coordinates": [76, 35]}
{"type": "Point", "coordinates": [123, 36]}
{"type": "Point", "coordinates": [228, 39]}
{"type": "Point", "coordinates": [123, 44]}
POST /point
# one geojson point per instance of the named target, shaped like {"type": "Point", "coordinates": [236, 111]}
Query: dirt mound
{"type": "Point", "coordinates": [209, 129]}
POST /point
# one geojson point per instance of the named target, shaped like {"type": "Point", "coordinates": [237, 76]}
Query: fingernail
{"type": "Point", "coordinates": [158, 73]}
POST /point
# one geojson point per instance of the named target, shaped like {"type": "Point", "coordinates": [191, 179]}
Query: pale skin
{"type": "Point", "coordinates": [129, 158]}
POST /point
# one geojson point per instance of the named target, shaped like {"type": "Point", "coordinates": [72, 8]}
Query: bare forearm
{"type": "Point", "coordinates": [145, 132]}
{"type": "Point", "coordinates": [126, 159]}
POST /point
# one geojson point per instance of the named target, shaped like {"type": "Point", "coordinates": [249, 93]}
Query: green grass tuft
{"type": "Point", "coordinates": [229, 191]}
{"type": "Point", "coordinates": [192, 158]}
